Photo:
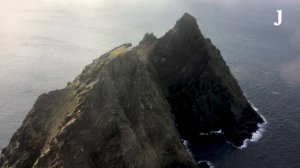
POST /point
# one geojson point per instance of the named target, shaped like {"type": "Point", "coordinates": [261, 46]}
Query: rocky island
{"type": "Point", "coordinates": [133, 106]}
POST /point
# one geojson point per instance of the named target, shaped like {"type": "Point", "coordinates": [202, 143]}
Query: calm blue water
{"type": "Point", "coordinates": [45, 44]}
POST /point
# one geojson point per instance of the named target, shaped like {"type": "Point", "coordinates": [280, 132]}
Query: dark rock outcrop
{"type": "Point", "coordinates": [132, 106]}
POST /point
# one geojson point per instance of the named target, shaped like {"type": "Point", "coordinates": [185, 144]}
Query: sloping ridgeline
{"type": "Point", "coordinates": [133, 106]}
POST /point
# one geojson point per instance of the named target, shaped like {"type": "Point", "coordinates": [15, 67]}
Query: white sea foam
{"type": "Point", "coordinates": [217, 132]}
{"type": "Point", "coordinates": [257, 110]}
{"type": "Point", "coordinates": [208, 162]}
{"type": "Point", "coordinates": [211, 133]}
{"type": "Point", "coordinates": [257, 134]}
{"type": "Point", "coordinates": [186, 144]}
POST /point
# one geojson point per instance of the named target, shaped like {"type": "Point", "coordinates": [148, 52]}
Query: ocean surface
{"type": "Point", "coordinates": [46, 43]}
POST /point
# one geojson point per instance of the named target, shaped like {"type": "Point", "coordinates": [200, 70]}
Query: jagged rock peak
{"type": "Point", "coordinates": [187, 21]}
{"type": "Point", "coordinates": [148, 38]}
{"type": "Point", "coordinates": [186, 28]}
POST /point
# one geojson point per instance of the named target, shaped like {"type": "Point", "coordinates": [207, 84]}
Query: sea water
{"type": "Point", "coordinates": [45, 44]}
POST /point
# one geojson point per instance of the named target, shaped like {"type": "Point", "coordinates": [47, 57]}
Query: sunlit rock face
{"type": "Point", "coordinates": [133, 106]}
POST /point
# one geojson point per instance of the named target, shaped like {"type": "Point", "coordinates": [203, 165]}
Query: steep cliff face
{"type": "Point", "coordinates": [132, 106]}
{"type": "Point", "coordinates": [203, 94]}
